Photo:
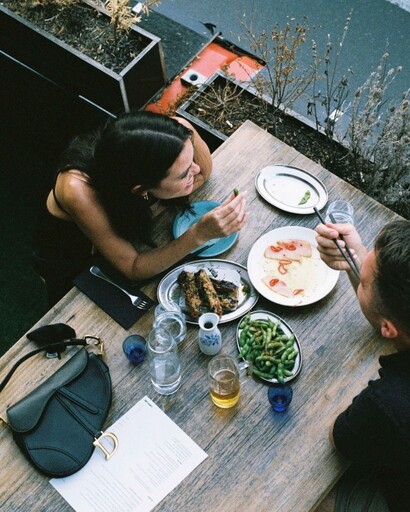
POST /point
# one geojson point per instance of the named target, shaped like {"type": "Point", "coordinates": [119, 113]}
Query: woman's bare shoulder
{"type": "Point", "coordinates": [74, 187]}
{"type": "Point", "coordinates": [184, 122]}
{"type": "Point", "coordinates": [75, 175]}
{"type": "Point", "coordinates": [72, 180]}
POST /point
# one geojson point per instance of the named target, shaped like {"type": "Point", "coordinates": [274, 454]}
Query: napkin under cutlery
{"type": "Point", "coordinates": [110, 299]}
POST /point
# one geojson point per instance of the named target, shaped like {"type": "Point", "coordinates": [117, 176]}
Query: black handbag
{"type": "Point", "coordinates": [58, 425]}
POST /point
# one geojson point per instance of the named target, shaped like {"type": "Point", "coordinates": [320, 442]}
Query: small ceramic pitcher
{"type": "Point", "coordinates": [209, 337]}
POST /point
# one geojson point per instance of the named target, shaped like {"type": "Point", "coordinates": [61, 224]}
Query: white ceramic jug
{"type": "Point", "coordinates": [209, 337]}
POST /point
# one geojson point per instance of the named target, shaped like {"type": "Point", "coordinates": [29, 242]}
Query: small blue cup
{"type": "Point", "coordinates": [134, 348]}
{"type": "Point", "coordinates": [280, 396]}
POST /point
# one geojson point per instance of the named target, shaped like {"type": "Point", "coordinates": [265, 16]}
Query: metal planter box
{"type": "Point", "coordinates": [214, 138]}
{"type": "Point", "coordinates": [132, 88]}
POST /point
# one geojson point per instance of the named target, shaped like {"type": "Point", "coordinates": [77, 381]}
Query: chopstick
{"type": "Point", "coordinates": [349, 252]}
{"type": "Point", "coordinates": [202, 249]}
{"type": "Point", "coordinates": [351, 262]}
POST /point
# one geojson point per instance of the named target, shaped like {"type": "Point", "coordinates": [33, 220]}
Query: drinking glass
{"type": "Point", "coordinates": [280, 396]}
{"type": "Point", "coordinates": [342, 212]}
{"type": "Point", "coordinates": [164, 364]}
{"type": "Point", "coordinates": [224, 376]}
{"type": "Point", "coordinates": [171, 305]}
{"type": "Point", "coordinates": [134, 348]}
{"type": "Point", "coordinates": [173, 322]}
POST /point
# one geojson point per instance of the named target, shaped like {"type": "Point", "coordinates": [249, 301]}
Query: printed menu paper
{"type": "Point", "coordinates": [154, 455]}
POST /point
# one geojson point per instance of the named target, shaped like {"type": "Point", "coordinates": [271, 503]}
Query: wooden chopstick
{"type": "Point", "coordinates": [352, 264]}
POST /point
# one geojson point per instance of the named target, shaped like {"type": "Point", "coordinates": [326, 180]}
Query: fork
{"type": "Point", "coordinates": [138, 302]}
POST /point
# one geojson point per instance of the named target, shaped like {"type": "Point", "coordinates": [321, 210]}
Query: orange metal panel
{"type": "Point", "coordinates": [244, 68]}
{"type": "Point", "coordinates": [213, 58]}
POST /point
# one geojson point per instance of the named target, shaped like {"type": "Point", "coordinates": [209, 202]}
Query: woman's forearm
{"type": "Point", "coordinates": [155, 261]}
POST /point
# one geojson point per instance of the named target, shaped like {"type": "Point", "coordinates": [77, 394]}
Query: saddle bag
{"type": "Point", "coordinates": [58, 425]}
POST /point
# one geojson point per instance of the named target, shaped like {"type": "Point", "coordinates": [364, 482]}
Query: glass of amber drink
{"type": "Point", "coordinates": [225, 379]}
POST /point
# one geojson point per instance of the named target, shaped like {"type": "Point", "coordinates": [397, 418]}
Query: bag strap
{"type": "Point", "coordinates": [54, 350]}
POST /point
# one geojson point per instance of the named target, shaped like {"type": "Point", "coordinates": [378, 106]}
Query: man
{"type": "Point", "coordinates": [374, 431]}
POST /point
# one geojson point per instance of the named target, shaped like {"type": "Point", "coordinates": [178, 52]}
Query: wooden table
{"type": "Point", "coordinates": [257, 460]}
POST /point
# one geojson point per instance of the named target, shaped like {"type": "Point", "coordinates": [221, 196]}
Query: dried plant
{"type": "Point", "coordinates": [30, 4]}
{"type": "Point", "coordinates": [218, 103]}
{"type": "Point", "coordinates": [120, 11]}
{"type": "Point", "coordinates": [328, 104]}
{"type": "Point", "coordinates": [282, 79]}
{"type": "Point", "coordinates": [122, 16]}
{"type": "Point", "coordinates": [379, 140]}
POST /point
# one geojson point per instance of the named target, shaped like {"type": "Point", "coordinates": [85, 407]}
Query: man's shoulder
{"type": "Point", "coordinates": [377, 423]}
{"type": "Point", "coordinates": [391, 392]}
{"type": "Point", "coordinates": [394, 382]}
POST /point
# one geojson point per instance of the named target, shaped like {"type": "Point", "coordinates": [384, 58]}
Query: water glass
{"type": "Point", "coordinates": [171, 305]}
{"type": "Point", "coordinates": [280, 396]}
{"type": "Point", "coordinates": [342, 212]}
{"type": "Point", "coordinates": [164, 364]}
{"type": "Point", "coordinates": [224, 377]}
{"type": "Point", "coordinates": [134, 348]}
{"type": "Point", "coordinates": [173, 322]}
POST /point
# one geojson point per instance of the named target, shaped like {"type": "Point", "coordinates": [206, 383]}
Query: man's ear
{"type": "Point", "coordinates": [388, 329]}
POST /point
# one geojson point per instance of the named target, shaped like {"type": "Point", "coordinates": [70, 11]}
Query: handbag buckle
{"type": "Point", "coordinates": [95, 341]}
{"type": "Point", "coordinates": [53, 355]}
{"type": "Point", "coordinates": [98, 444]}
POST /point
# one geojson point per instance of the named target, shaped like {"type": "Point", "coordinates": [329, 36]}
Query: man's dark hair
{"type": "Point", "coordinates": [392, 279]}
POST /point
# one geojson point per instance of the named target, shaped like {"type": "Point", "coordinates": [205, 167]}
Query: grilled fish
{"type": "Point", "coordinates": [228, 294]}
{"type": "Point", "coordinates": [187, 282]}
{"type": "Point", "coordinates": [207, 292]}
{"type": "Point", "coordinates": [203, 293]}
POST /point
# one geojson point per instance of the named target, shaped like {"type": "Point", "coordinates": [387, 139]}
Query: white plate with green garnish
{"type": "Point", "coordinates": [291, 189]}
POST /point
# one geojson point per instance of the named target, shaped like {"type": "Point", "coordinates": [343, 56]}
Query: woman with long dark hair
{"type": "Point", "coordinates": [103, 195]}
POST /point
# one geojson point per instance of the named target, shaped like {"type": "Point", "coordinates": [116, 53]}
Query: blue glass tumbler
{"type": "Point", "coordinates": [134, 348]}
{"type": "Point", "coordinates": [280, 396]}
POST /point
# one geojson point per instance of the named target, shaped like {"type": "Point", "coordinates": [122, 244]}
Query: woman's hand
{"type": "Point", "coordinates": [329, 253]}
{"type": "Point", "coordinates": [222, 221]}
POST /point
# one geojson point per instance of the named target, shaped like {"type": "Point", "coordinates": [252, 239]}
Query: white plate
{"type": "Point", "coordinates": [264, 315]}
{"type": "Point", "coordinates": [284, 186]}
{"type": "Point", "coordinates": [322, 285]}
{"type": "Point", "coordinates": [169, 290]}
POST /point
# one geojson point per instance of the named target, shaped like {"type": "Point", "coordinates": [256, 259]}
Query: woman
{"type": "Point", "coordinates": [103, 193]}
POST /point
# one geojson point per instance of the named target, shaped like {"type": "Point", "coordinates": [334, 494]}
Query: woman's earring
{"type": "Point", "coordinates": [145, 196]}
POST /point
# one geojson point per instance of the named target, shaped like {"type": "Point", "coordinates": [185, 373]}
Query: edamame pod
{"type": "Point", "coordinates": [265, 344]}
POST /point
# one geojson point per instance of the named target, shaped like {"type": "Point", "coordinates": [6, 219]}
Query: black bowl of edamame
{"type": "Point", "coordinates": [268, 341]}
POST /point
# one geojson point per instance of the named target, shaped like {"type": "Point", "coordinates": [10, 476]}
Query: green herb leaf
{"type": "Point", "coordinates": [305, 198]}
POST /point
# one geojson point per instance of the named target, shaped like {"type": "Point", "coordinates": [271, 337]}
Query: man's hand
{"type": "Point", "coordinates": [329, 253]}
